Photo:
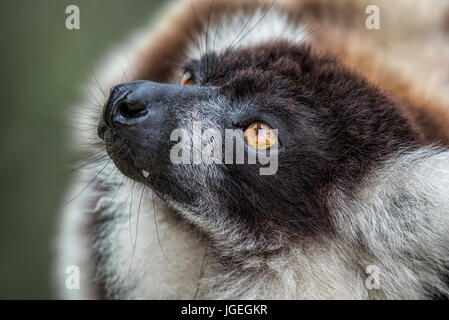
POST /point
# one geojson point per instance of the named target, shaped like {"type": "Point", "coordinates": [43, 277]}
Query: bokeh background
{"type": "Point", "coordinates": [44, 70]}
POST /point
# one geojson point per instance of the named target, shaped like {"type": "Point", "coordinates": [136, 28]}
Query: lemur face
{"type": "Point", "coordinates": [320, 123]}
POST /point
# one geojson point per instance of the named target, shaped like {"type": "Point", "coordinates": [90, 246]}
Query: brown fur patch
{"type": "Point", "coordinates": [428, 113]}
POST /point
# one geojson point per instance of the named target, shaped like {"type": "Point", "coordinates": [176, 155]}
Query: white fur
{"type": "Point", "coordinates": [401, 215]}
{"type": "Point", "coordinates": [243, 30]}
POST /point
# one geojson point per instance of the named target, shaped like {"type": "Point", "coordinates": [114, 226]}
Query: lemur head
{"type": "Point", "coordinates": [319, 125]}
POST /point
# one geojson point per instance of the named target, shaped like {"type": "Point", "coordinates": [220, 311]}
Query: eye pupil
{"type": "Point", "coordinates": [260, 136]}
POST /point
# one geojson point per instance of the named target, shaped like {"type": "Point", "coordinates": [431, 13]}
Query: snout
{"type": "Point", "coordinates": [126, 105]}
{"type": "Point", "coordinates": [137, 121]}
{"type": "Point", "coordinates": [138, 114]}
{"type": "Point", "coordinates": [143, 104]}
{"type": "Point", "coordinates": [132, 103]}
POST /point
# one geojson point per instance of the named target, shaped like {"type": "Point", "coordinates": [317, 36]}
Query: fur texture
{"type": "Point", "coordinates": [379, 197]}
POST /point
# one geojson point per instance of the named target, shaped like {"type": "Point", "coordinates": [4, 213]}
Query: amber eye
{"type": "Point", "coordinates": [186, 79]}
{"type": "Point", "coordinates": [260, 136]}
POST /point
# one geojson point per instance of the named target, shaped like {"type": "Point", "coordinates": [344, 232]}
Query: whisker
{"type": "Point", "coordinates": [137, 228]}
{"type": "Point", "coordinates": [130, 214]}
{"type": "Point", "coordinates": [207, 35]}
{"type": "Point", "coordinates": [198, 23]}
{"type": "Point", "coordinates": [98, 82]}
{"type": "Point", "coordinates": [202, 271]}
{"type": "Point", "coordinates": [91, 93]}
{"type": "Point", "coordinates": [90, 182]}
{"type": "Point", "coordinates": [243, 28]}
{"type": "Point", "coordinates": [157, 230]}
{"type": "Point", "coordinates": [253, 27]}
{"type": "Point", "coordinates": [96, 159]}
{"type": "Point", "coordinates": [118, 188]}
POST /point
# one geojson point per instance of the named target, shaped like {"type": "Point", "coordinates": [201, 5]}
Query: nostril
{"type": "Point", "coordinates": [131, 110]}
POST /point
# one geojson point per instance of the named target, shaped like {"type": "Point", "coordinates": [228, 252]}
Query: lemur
{"type": "Point", "coordinates": [361, 117]}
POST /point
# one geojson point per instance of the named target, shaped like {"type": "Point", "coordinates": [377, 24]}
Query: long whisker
{"type": "Point", "coordinates": [90, 182]}
{"type": "Point", "coordinates": [202, 271]}
{"type": "Point", "coordinates": [253, 27]}
{"type": "Point", "coordinates": [207, 36]}
{"type": "Point", "coordinates": [118, 188]}
{"type": "Point", "coordinates": [157, 231]}
{"type": "Point", "coordinates": [251, 16]}
{"type": "Point", "coordinates": [197, 21]}
{"type": "Point", "coordinates": [130, 214]}
{"type": "Point", "coordinates": [137, 228]}
{"type": "Point", "coordinates": [98, 82]}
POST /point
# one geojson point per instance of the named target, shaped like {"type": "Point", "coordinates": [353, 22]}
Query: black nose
{"type": "Point", "coordinates": [126, 105]}
{"type": "Point", "coordinates": [130, 109]}
{"type": "Point", "coordinates": [140, 106]}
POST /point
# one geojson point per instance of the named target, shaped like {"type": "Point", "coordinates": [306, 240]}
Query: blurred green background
{"type": "Point", "coordinates": [44, 70]}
